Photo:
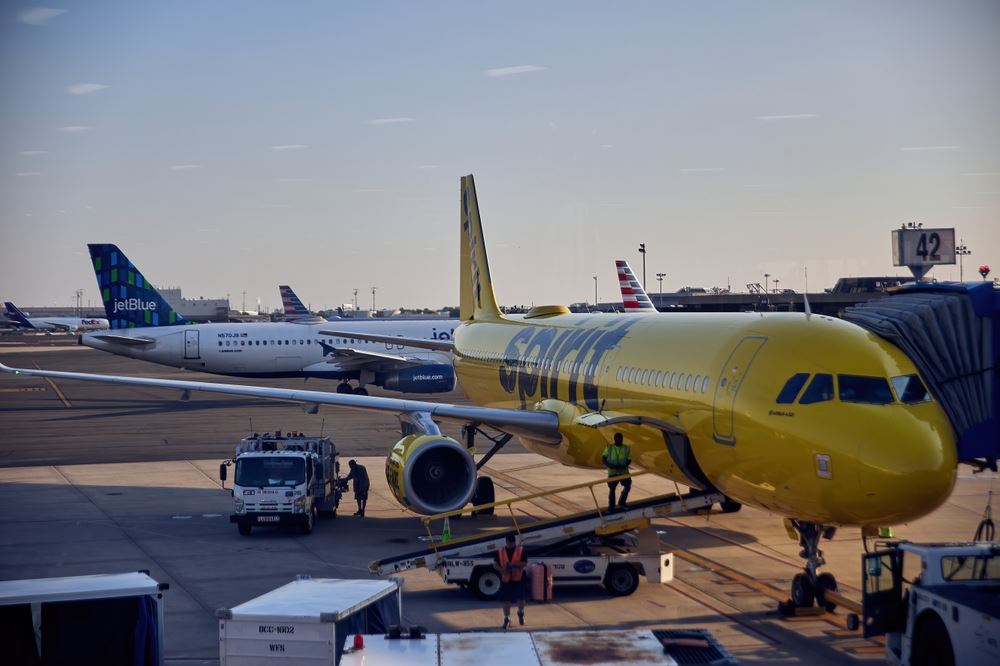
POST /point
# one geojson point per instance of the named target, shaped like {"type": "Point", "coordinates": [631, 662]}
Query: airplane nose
{"type": "Point", "coordinates": [908, 471]}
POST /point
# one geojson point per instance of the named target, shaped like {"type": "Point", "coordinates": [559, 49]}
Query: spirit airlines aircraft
{"type": "Point", "coordinates": [144, 326]}
{"type": "Point", "coordinates": [809, 417]}
{"type": "Point", "coordinates": [72, 324]}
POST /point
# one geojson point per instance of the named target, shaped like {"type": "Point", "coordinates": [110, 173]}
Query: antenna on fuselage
{"type": "Point", "coordinates": [805, 304]}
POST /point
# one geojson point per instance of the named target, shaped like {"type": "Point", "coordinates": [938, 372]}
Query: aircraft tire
{"type": "Point", "coordinates": [244, 528]}
{"type": "Point", "coordinates": [825, 582]}
{"type": "Point", "coordinates": [803, 593]}
{"type": "Point", "coordinates": [361, 390]}
{"type": "Point", "coordinates": [621, 580]}
{"type": "Point", "coordinates": [931, 643]}
{"type": "Point", "coordinates": [730, 506]}
{"type": "Point", "coordinates": [485, 494]}
{"type": "Point", "coordinates": [344, 387]}
{"type": "Point", "coordinates": [485, 583]}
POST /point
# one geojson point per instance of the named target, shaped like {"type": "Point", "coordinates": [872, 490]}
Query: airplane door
{"type": "Point", "coordinates": [191, 344]}
{"type": "Point", "coordinates": [730, 379]}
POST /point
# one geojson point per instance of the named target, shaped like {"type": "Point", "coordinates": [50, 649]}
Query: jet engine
{"type": "Point", "coordinates": [418, 379]}
{"type": "Point", "coordinates": [431, 473]}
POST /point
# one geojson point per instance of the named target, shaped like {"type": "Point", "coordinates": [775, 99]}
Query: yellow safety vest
{"type": "Point", "coordinates": [618, 459]}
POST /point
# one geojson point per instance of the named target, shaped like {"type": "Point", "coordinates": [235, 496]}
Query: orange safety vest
{"type": "Point", "coordinates": [507, 572]}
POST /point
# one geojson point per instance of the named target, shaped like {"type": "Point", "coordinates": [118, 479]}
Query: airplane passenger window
{"type": "Point", "coordinates": [687, 384]}
{"type": "Point", "coordinates": [673, 379]}
{"type": "Point", "coordinates": [704, 384]}
{"type": "Point", "coordinates": [868, 390]}
{"type": "Point", "coordinates": [791, 388]}
{"type": "Point", "coordinates": [697, 383]}
{"type": "Point", "coordinates": [820, 390]}
{"type": "Point", "coordinates": [659, 376]}
{"type": "Point", "coordinates": [910, 389]}
{"type": "Point", "coordinates": [645, 377]}
{"type": "Point", "coordinates": [618, 375]}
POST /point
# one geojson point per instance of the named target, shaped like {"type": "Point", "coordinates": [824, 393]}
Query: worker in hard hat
{"type": "Point", "coordinates": [511, 563]}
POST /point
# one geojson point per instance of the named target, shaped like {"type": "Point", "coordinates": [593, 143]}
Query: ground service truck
{"type": "Point", "coordinates": [288, 480]}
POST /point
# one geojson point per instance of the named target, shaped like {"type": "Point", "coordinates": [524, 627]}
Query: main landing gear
{"type": "Point", "coordinates": [810, 586]}
{"type": "Point", "coordinates": [345, 387]}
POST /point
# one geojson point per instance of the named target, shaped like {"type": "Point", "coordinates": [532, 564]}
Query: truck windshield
{"type": "Point", "coordinates": [971, 567]}
{"type": "Point", "coordinates": [270, 471]}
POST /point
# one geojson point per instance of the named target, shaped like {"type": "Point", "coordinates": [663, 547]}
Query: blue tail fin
{"type": "Point", "coordinates": [16, 315]}
{"type": "Point", "coordinates": [130, 301]}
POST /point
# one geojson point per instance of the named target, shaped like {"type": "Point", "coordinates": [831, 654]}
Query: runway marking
{"type": "Point", "coordinates": [24, 389]}
{"type": "Point", "coordinates": [55, 388]}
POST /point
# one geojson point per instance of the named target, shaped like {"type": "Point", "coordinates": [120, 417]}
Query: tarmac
{"type": "Point", "coordinates": [108, 479]}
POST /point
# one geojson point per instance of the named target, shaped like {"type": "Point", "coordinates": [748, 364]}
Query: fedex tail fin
{"type": "Point", "coordinates": [295, 311]}
{"type": "Point", "coordinates": [15, 314]}
{"type": "Point", "coordinates": [634, 297]}
{"type": "Point", "coordinates": [130, 301]}
{"type": "Point", "coordinates": [477, 299]}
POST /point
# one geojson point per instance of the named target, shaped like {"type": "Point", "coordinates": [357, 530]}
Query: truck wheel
{"type": "Point", "coordinates": [310, 522]}
{"type": "Point", "coordinates": [931, 644]}
{"type": "Point", "coordinates": [244, 528]}
{"type": "Point", "coordinates": [485, 494]}
{"type": "Point", "coordinates": [485, 583]}
{"type": "Point", "coordinates": [825, 582]}
{"type": "Point", "coordinates": [730, 506]}
{"type": "Point", "coordinates": [621, 580]}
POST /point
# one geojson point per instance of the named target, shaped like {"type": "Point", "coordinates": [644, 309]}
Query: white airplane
{"type": "Point", "coordinates": [60, 324]}
{"type": "Point", "coordinates": [295, 310]}
{"type": "Point", "coordinates": [634, 297]}
{"type": "Point", "coordinates": [145, 327]}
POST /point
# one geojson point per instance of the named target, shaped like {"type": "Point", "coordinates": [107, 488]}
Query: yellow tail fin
{"type": "Point", "coordinates": [477, 299]}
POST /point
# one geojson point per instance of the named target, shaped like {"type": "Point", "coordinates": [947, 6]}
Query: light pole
{"type": "Point", "coordinates": [961, 251]}
{"type": "Point", "coordinates": [595, 292]}
{"type": "Point", "coordinates": [642, 251]}
{"type": "Point", "coordinates": [767, 279]}
{"type": "Point", "coordinates": [373, 299]}
{"type": "Point", "coordinates": [355, 299]}
{"type": "Point", "coordinates": [660, 276]}
{"type": "Point", "coordinates": [776, 285]}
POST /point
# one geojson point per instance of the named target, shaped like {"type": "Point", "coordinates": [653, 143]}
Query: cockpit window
{"type": "Point", "coordinates": [792, 388]}
{"type": "Point", "coordinates": [910, 389]}
{"type": "Point", "coordinates": [820, 390]}
{"type": "Point", "coordinates": [869, 390]}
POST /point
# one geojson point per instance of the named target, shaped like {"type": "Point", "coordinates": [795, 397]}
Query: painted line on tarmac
{"type": "Point", "coordinates": [58, 391]}
{"type": "Point", "coordinates": [23, 389]}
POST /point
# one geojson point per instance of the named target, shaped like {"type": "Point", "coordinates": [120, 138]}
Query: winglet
{"type": "Point", "coordinates": [477, 299]}
{"type": "Point", "coordinates": [130, 301]}
{"type": "Point", "coordinates": [634, 297]}
{"type": "Point", "coordinates": [15, 314]}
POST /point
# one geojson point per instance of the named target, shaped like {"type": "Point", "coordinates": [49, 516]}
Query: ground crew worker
{"type": "Point", "coordinates": [360, 476]}
{"type": "Point", "coordinates": [617, 457]}
{"type": "Point", "coordinates": [511, 563]}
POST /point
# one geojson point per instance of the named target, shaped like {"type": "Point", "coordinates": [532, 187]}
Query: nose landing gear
{"type": "Point", "coordinates": [810, 586]}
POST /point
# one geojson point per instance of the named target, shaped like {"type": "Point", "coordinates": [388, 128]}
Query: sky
{"type": "Point", "coordinates": [231, 146]}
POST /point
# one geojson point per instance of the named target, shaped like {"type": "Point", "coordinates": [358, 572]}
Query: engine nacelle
{"type": "Point", "coordinates": [420, 379]}
{"type": "Point", "coordinates": [431, 473]}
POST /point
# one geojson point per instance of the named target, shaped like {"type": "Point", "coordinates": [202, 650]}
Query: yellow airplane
{"type": "Point", "coordinates": [809, 417]}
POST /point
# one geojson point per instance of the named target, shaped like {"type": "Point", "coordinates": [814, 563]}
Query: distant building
{"type": "Point", "coordinates": [196, 310]}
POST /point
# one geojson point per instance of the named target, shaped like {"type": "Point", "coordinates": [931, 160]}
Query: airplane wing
{"type": "Point", "coordinates": [541, 425]}
{"type": "Point", "coordinates": [421, 343]}
{"type": "Point", "coordinates": [56, 326]}
{"type": "Point", "coordinates": [122, 339]}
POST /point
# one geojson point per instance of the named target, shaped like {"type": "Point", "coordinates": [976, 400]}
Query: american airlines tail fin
{"type": "Point", "coordinates": [477, 299]}
{"type": "Point", "coordinates": [130, 301]}
{"type": "Point", "coordinates": [634, 297]}
{"type": "Point", "coordinates": [295, 311]}
{"type": "Point", "coordinates": [15, 314]}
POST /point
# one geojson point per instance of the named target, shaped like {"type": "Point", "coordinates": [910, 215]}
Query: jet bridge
{"type": "Point", "coordinates": [545, 533]}
{"type": "Point", "coordinates": [952, 333]}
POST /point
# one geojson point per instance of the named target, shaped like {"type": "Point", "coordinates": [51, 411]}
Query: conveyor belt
{"type": "Point", "coordinates": [543, 532]}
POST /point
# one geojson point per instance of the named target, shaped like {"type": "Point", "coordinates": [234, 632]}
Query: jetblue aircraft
{"type": "Point", "coordinates": [144, 326]}
{"type": "Point", "coordinates": [62, 324]}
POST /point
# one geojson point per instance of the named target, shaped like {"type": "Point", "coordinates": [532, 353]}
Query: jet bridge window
{"type": "Point", "coordinates": [791, 388]}
{"type": "Point", "coordinates": [820, 390]}
{"type": "Point", "coordinates": [910, 389]}
{"type": "Point", "coordinates": [867, 390]}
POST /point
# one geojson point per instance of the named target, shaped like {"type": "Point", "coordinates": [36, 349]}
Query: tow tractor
{"type": "Point", "coordinates": [283, 481]}
{"type": "Point", "coordinates": [585, 548]}
{"type": "Point", "coordinates": [936, 603]}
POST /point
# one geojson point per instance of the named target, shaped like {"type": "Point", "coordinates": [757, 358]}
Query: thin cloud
{"type": "Point", "coordinates": [391, 121]}
{"type": "Point", "coordinates": [185, 167]}
{"type": "Point", "coordinates": [33, 153]}
{"type": "Point", "coordinates": [513, 71]}
{"type": "Point", "coordinates": [75, 128]}
{"type": "Point", "coordinates": [288, 146]}
{"type": "Point", "coordinates": [788, 116]}
{"type": "Point", "coordinates": [38, 15]}
{"type": "Point", "coordinates": [701, 169]}
{"type": "Point", "coordinates": [927, 149]}
{"type": "Point", "coordinates": [28, 174]}
{"type": "Point", "coordinates": [86, 88]}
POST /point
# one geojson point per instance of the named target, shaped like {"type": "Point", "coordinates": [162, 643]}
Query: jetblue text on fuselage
{"type": "Point", "coordinates": [134, 304]}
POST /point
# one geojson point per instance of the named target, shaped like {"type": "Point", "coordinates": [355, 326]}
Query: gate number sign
{"type": "Point", "coordinates": [923, 247]}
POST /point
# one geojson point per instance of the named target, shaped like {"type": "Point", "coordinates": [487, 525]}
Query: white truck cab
{"type": "Point", "coordinates": [936, 603]}
{"type": "Point", "coordinates": [282, 481]}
